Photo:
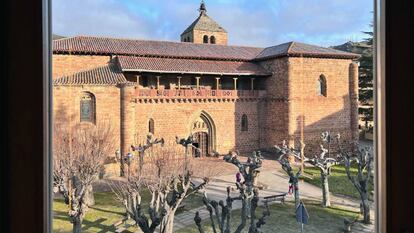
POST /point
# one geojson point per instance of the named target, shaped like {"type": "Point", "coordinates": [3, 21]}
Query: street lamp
{"type": "Point", "coordinates": [128, 158]}
{"type": "Point", "coordinates": [117, 155]}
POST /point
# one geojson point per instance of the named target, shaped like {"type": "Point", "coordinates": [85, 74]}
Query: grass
{"type": "Point", "coordinates": [106, 211]}
{"type": "Point", "coordinates": [338, 181]}
{"type": "Point", "coordinates": [282, 219]}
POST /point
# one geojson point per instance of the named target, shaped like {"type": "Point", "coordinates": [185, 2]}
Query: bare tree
{"type": "Point", "coordinates": [324, 163]}
{"type": "Point", "coordinates": [169, 185]}
{"type": "Point", "coordinates": [141, 150]}
{"type": "Point", "coordinates": [249, 170]}
{"type": "Point", "coordinates": [79, 155]}
{"type": "Point", "coordinates": [285, 151]}
{"type": "Point", "coordinates": [362, 158]}
{"type": "Point", "coordinates": [248, 195]}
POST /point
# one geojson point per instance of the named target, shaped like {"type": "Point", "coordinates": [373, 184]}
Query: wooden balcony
{"type": "Point", "coordinates": [198, 94]}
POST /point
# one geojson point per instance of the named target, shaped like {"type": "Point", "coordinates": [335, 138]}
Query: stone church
{"type": "Point", "coordinates": [228, 97]}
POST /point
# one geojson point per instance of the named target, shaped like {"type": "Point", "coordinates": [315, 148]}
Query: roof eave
{"type": "Point", "coordinates": [309, 55]}
{"type": "Point", "coordinates": [194, 72]}
{"type": "Point", "coordinates": [147, 55]}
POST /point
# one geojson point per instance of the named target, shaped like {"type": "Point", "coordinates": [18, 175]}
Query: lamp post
{"type": "Point", "coordinates": [128, 159]}
{"type": "Point", "coordinates": [119, 158]}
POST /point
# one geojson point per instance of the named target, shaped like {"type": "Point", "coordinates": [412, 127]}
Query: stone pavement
{"type": "Point", "coordinates": [277, 183]}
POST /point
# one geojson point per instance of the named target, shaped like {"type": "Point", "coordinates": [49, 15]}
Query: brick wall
{"type": "Point", "coordinates": [69, 64]}
{"type": "Point", "coordinates": [66, 106]}
{"type": "Point", "coordinates": [293, 97]}
{"type": "Point", "coordinates": [319, 113]}
{"type": "Point", "coordinates": [176, 119]}
{"type": "Point", "coordinates": [292, 93]}
{"type": "Point", "coordinates": [275, 110]}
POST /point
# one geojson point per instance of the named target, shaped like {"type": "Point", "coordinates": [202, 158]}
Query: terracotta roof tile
{"type": "Point", "coordinates": [295, 49]}
{"type": "Point", "coordinates": [113, 46]}
{"type": "Point", "coordinates": [106, 75]}
{"type": "Point", "coordinates": [172, 65]}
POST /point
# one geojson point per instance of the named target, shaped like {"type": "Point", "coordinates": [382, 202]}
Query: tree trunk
{"type": "Point", "coordinates": [366, 209]}
{"type": "Point", "coordinates": [243, 217]}
{"type": "Point", "coordinates": [253, 207]}
{"type": "Point", "coordinates": [326, 200]}
{"type": "Point", "coordinates": [77, 226]}
{"type": "Point", "coordinates": [168, 223]}
{"type": "Point", "coordinates": [89, 198]}
{"type": "Point", "coordinates": [296, 191]}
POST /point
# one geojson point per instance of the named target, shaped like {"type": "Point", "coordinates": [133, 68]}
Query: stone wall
{"type": "Point", "coordinates": [197, 36]}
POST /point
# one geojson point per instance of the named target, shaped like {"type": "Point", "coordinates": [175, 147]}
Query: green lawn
{"type": "Point", "coordinates": [282, 219]}
{"type": "Point", "coordinates": [338, 181]}
{"type": "Point", "coordinates": [106, 211]}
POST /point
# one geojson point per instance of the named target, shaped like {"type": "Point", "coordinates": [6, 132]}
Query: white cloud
{"type": "Point", "coordinates": [254, 23]}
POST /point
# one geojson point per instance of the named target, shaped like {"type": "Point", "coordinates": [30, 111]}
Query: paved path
{"type": "Point", "coordinates": [276, 182]}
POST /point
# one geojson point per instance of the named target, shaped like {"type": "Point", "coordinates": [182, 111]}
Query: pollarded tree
{"type": "Point", "coordinates": [284, 151]}
{"type": "Point", "coordinates": [222, 213]}
{"type": "Point", "coordinates": [362, 158]}
{"type": "Point", "coordinates": [249, 170]}
{"type": "Point", "coordinates": [324, 163]}
{"type": "Point", "coordinates": [142, 148]}
{"type": "Point", "coordinates": [78, 157]}
{"type": "Point", "coordinates": [169, 185]}
{"type": "Point", "coordinates": [248, 195]}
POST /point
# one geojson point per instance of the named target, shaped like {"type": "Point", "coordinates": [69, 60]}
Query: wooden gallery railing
{"type": "Point", "coordinates": [198, 94]}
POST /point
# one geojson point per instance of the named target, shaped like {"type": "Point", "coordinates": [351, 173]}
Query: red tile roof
{"type": "Point", "coordinates": [105, 75]}
{"type": "Point", "coordinates": [296, 49]}
{"type": "Point", "coordinates": [190, 66]}
{"type": "Point", "coordinates": [113, 46]}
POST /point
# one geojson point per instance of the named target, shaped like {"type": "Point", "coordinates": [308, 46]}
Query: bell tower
{"type": "Point", "coordinates": [204, 30]}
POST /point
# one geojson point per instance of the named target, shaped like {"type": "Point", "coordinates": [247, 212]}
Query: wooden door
{"type": "Point", "coordinates": [201, 142]}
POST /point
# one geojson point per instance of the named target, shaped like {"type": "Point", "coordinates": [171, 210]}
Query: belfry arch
{"type": "Point", "coordinates": [203, 130]}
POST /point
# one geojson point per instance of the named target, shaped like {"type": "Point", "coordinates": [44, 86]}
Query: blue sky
{"type": "Point", "coordinates": [248, 22]}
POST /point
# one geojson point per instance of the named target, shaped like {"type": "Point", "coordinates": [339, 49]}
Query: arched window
{"type": "Point", "coordinates": [87, 107]}
{"type": "Point", "coordinates": [151, 126]}
{"type": "Point", "coordinates": [212, 40]}
{"type": "Point", "coordinates": [322, 86]}
{"type": "Point", "coordinates": [244, 123]}
{"type": "Point", "coordinates": [185, 39]}
{"type": "Point", "coordinates": [205, 39]}
{"type": "Point", "coordinates": [188, 39]}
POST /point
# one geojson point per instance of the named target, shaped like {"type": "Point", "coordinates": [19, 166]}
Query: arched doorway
{"type": "Point", "coordinates": [200, 142]}
{"type": "Point", "coordinates": [203, 131]}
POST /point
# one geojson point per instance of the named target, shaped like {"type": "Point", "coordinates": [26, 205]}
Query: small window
{"type": "Point", "coordinates": [188, 39]}
{"type": "Point", "coordinates": [205, 39]}
{"type": "Point", "coordinates": [212, 40]}
{"type": "Point", "coordinates": [322, 86]}
{"type": "Point", "coordinates": [185, 39]}
{"type": "Point", "coordinates": [244, 123]}
{"type": "Point", "coordinates": [87, 107]}
{"type": "Point", "coordinates": [151, 126]}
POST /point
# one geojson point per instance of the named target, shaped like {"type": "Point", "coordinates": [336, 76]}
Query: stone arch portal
{"type": "Point", "coordinates": [204, 134]}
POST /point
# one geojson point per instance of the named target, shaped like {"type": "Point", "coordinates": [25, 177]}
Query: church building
{"type": "Point", "coordinates": [228, 97]}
